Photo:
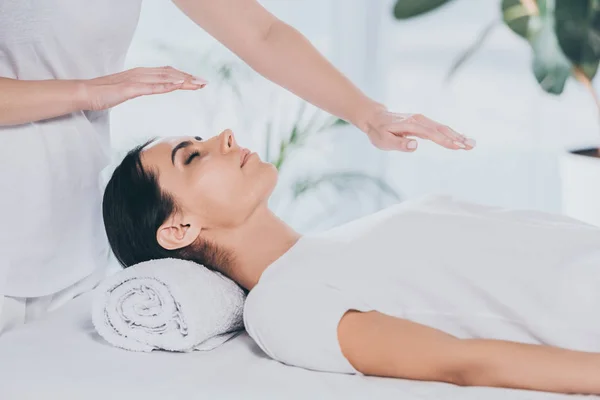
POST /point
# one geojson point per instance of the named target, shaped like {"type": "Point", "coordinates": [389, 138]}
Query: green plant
{"type": "Point", "coordinates": [330, 187]}
{"type": "Point", "coordinates": [298, 135]}
{"type": "Point", "coordinates": [297, 138]}
{"type": "Point", "coordinates": [564, 36]}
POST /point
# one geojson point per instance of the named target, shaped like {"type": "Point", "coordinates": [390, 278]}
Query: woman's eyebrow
{"type": "Point", "coordinates": [180, 146]}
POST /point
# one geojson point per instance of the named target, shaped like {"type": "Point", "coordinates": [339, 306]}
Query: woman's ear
{"type": "Point", "coordinates": [176, 233]}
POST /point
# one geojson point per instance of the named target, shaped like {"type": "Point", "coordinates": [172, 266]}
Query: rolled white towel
{"type": "Point", "coordinates": [168, 304]}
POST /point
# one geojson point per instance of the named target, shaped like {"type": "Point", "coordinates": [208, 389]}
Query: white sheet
{"type": "Point", "coordinates": [61, 357]}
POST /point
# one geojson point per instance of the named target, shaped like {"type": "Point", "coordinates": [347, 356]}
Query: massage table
{"type": "Point", "coordinates": [62, 357]}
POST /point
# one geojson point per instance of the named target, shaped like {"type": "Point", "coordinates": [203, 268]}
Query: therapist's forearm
{"type": "Point", "coordinates": [287, 58]}
{"type": "Point", "coordinates": [29, 101]}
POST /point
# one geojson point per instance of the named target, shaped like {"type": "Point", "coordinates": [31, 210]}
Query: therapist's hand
{"type": "Point", "coordinates": [393, 131]}
{"type": "Point", "coordinates": [108, 91]}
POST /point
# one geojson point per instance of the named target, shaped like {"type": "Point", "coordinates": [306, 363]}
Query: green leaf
{"type": "Point", "coordinates": [294, 136]}
{"type": "Point", "coordinates": [226, 74]}
{"type": "Point", "coordinates": [589, 69]}
{"type": "Point", "coordinates": [405, 9]}
{"type": "Point", "coordinates": [550, 66]}
{"type": "Point", "coordinates": [517, 17]}
{"type": "Point", "coordinates": [309, 128]}
{"type": "Point", "coordinates": [578, 32]}
{"type": "Point", "coordinates": [546, 6]}
{"type": "Point", "coordinates": [340, 122]}
{"type": "Point", "coordinates": [282, 155]}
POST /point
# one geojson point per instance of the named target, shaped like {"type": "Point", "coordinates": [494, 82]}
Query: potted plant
{"type": "Point", "coordinates": [564, 36]}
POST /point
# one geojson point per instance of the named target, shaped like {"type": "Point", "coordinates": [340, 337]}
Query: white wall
{"type": "Point", "coordinates": [520, 130]}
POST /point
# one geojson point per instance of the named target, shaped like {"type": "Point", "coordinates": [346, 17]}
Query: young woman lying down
{"type": "Point", "coordinates": [434, 289]}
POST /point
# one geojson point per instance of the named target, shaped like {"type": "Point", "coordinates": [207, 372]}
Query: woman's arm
{"type": "Point", "coordinates": [283, 55]}
{"type": "Point", "coordinates": [23, 101]}
{"type": "Point", "coordinates": [381, 345]}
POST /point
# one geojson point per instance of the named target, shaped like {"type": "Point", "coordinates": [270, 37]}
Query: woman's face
{"type": "Point", "coordinates": [213, 181]}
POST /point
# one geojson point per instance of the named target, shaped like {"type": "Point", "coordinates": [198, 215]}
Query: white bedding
{"type": "Point", "coordinates": [62, 357]}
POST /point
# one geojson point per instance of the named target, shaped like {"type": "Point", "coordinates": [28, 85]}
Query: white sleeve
{"type": "Point", "coordinates": [296, 324]}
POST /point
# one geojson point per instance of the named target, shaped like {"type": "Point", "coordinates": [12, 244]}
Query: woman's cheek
{"type": "Point", "coordinates": [220, 187]}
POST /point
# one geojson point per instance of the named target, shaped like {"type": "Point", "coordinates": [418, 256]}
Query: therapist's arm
{"type": "Point", "coordinates": [283, 55]}
{"type": "Point", "coordinates": [381, 345]}
{"type": "Point", "coordinates": [280, 53]}
{"type": "Point", "coordinates": [28, 101]}
{"type": "Point", "coordinates": [23, 101]}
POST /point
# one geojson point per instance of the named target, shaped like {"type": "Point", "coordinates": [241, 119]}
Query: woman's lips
{"type": "Point", "coordinates": [244, 157]}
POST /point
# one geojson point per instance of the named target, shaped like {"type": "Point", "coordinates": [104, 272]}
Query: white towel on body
{"type": "Point", "coordinates": [168, 304]}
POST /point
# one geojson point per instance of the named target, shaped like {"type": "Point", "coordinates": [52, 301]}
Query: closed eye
{"type": "Point", "coordinates": [191, 157]}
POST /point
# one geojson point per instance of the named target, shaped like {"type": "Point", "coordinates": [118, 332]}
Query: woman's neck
{"type": "Point", "coordinates": [257, 243]}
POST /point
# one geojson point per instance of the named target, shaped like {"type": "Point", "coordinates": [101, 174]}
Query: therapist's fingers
{"type": "Point", "coordinates": [444, 130]}
{"type": "Point", "coordinates": [385, 140]}
{"type": "Point", "coordinates": [194, 84]}
{"type": "Point", "coordinates": [185, 84]}
{"type": "Point", "coordinates": [170, 73]}
{"type": "Point", "coordinates": [168, 70]}
{"type": "Point", "coordinates": [166, 75]}
{"type": "Point", "coordinates": [189, 78]}
{"type": "Point", "coordinates": [405, 129]}
{"type": "Point", "coordinates": [109, 91]}
{"type": "Point", "coordinates": [423, 128]}
{"type": "Point", "coordinates": [393, 131]}
{"type": "Point", "coordinates": [151, 88]}
{"type": "Point", "coordinates": [429, 123]}
{"type": "Point", "coordinates": [400, 143]}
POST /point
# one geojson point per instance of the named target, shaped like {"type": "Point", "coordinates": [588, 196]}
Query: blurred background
{"type": "Point", "coordinates": [329, 171]}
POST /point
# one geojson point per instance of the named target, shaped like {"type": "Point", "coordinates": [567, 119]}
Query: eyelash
{"type": "Point", "coordinates": [191, 157]}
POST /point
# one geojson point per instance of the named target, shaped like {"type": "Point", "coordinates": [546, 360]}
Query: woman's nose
{"type": "Point", "coordinates": [228, 142]}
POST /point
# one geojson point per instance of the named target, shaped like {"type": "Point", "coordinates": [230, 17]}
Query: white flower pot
{"type": "Point", "coordinates": [580, 179]}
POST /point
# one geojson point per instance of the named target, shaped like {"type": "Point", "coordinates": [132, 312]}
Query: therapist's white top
{"type": "Point", "coordinates": [471, 271]}
{"type": "Point", "coordinates": [52, 233]}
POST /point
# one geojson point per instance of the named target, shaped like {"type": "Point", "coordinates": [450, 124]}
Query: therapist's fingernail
{"type": "Point", "coordinates": [179, 82]}
{"type": "Point", "coordinates": [199, 81]}
{"type": "Point", "coordinates": [471, 142]}
{"type": "Point", "coordinates": [411, 145]}
{"type": "Point", "coordinates": [460, 144]}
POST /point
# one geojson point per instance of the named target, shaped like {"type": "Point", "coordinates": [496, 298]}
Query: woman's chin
{"type": "Point", "coordinates": [269, 178]}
